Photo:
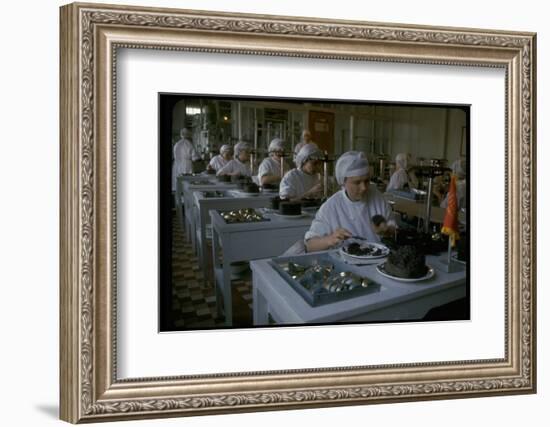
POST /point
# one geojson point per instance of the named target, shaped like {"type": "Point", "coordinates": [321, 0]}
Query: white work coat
{"type": "Point", "coordinates": [184, 156]}
{"type": "Point", "coordinates": [296, 183]}
{"type": "Point", "coordinates": [341, 212]}
{"type": "Point", "coordinates": [218, 162]}
{"type": "Point", "coordinates": [269, 166]}
{"type": "Point", "coordinates": [235, 167]}
{"type": "Point", "coordinates": [398, 180]}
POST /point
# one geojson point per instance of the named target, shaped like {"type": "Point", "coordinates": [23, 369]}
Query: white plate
{"type": "Point", "coordinates": [280, 215]}
{"type": "Point", "coordinates": [385, 249]}
{"type": "Point", "coordinates": [428, 275]}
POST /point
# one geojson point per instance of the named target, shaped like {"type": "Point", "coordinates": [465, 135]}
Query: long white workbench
{"type": "Point", "coordinates": [275, 300]}
{"type": "Point", "coordinates": [249, 241]}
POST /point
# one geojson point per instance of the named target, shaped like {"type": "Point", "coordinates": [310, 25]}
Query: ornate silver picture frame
{"type": "Point", "coordinates": [90, 387]}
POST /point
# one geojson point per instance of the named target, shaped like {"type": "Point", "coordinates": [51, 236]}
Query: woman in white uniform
{"type": "Point", "coordinates": [303, 182]}
{"type": "Point", "coordinates": [239, 164]}
{"type": "Point", "coordinates": [184, 156]}
{"type": "Point", "coordinates": [305, 139]}
{"type": "Point", "coordinates": [459, 169]}
{"type": "Point", "coordinates": [219, 161]}
{"type": "Point", "coordinates": [349, 211]}
{"type": "Point", "coordinates": [269, 171]}
{"type": "Point", "coordinates": [400, 178]}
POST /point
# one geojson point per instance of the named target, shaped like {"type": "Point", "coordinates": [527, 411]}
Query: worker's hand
{"type": "Point", "coordinates": [337, 236]}
{"type": "Point", "coordinates": [315, 192]}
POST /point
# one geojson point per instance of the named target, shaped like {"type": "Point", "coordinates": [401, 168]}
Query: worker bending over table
{"type": "Point", "coordinates": [303, 182]}
{"type": "Point", "coordinates": [239, 164]}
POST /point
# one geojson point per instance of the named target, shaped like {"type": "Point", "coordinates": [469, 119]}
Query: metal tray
{"type": "Point", "coordinates": [317, 296]}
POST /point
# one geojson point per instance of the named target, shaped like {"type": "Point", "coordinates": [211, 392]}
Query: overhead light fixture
{"type": "Point", "coordinates": [191, 111]}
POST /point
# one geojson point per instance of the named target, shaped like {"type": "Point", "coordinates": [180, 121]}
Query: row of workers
{"type": "Point", "coordinates": [303, 181]}
{"type": "Point", "coordinates": [404, 178]}
{"type": "Point", "coordinates": [298, 183]}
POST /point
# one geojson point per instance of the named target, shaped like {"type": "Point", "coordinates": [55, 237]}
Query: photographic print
{"type": "Point", "coordinates": [249, 202]}
{"type": "Point", "coordinates": [280, 212]}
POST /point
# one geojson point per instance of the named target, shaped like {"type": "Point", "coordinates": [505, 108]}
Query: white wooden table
{"type": "Point", "coordinates": [178, 195]}
{"type": "Point", "coordinates": [187, 196]}
{"type": "Point", "coordinates": [231, 199]}
{"type": "Point", "coordinates": [249, 241]}
{"type": "Point", "coordinates": [274, 299]}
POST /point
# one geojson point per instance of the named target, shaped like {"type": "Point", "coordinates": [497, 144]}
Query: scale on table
{"type": "Point", "coordinates": [434, 169]}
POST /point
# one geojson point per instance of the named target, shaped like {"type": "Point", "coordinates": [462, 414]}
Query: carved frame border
{"type": "Point", "coordinates": [90, 36]}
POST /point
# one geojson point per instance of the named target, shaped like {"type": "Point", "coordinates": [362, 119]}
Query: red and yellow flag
{"type": "Point", "coordinates": [450, 223]}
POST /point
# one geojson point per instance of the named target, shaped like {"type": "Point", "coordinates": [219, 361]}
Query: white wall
{"type": "Point", "coordinates": [427, 132]}
{"type": "Point", "coordinates": [29, 171]}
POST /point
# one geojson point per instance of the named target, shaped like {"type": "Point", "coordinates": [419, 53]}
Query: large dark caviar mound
{"type": "Point", "coordinates": [406, 262]}
{"type": "Point", "coordinates": [224, 178]}
{"type": "Point", "coordinates": [275, 201]}
{"type": "Point", "coordinates": [251, 188]}
{"type": "Point", "coordinates": [290, 208]}
{"type": "Point", "coordinates": [423, 242]}
{"type": "Point", "coordinates": [270, 187]}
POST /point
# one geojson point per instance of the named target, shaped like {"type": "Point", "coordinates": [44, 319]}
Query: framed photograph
{"type": "Point", "coordinates": [204, 254]}
{"type": "Point", "coordinates": [187, 293]}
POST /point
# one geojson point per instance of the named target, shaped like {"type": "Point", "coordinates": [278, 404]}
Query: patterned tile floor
{"type": "Point", "coordinates": [194, 305]}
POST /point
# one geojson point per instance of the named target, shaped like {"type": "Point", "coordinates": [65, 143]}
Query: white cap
{"type": "Point", "coordinates": [352, 163]}
{"type": "Point", "coordinates": [241, 146]}
{"type": "Point", "coordinates": [299, 146]}
{"type": "Point", "coordinates": [276, 144]}
{"type": "Point", "coordinates": [402, 159]}
{"type": "Point", "coordinates": [307, 152]}
{"type": "Point", "coordinates": [225, 148]}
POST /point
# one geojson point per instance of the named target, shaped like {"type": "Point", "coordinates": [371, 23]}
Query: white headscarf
{"type": "Point", "coordinates": [225, 148]}
{"type": "Point", "coordinates": [241, 146]}
{"type": "Point", "coordinates": [276, 144]}
{"type": "Point", "coordinates": [352, 163]}
{"type": "Point", "coordinates": [402, 160]}
{"type": "Point", "coordinates": [459, 168]}
{"type": "Point", "coordinates": [186, 133]}
{"type": "Point", "coordinates": [307, 152]}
